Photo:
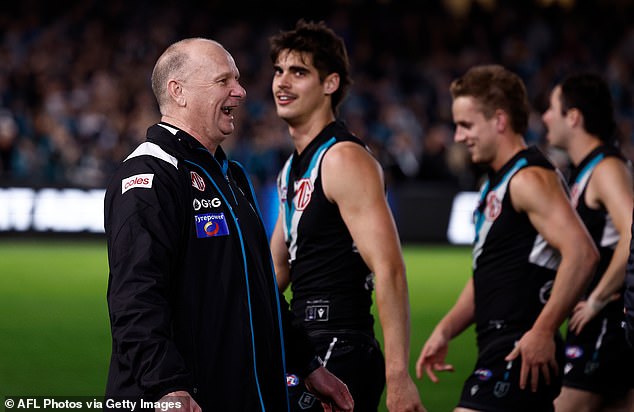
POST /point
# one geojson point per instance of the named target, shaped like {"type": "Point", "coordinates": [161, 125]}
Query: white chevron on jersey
{"type": "Point", "coordinates": [610, 236]}
{"type": "Point", "coordinates": [152, 149]}
{"type": "Point", "coordinates": [542, 254]}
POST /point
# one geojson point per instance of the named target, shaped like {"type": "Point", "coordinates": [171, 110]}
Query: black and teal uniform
{"type": "Point", "coordinates": [513, 272]}
{"type": "Point", "coordinates": [330, 282]}
{"type": "Point", "coordinates": [597, 359]}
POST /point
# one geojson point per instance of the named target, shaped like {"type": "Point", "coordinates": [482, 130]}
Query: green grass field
{"type": "Point", "coordinates": [54, 332]}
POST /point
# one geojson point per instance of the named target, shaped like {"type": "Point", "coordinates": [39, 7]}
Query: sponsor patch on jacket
{"type": "Point", "coordinates": [211, 225]}
{"type": "Point", "coordinates": [143, 180]}
{"type": "Point", "coordinates": [197, 181]}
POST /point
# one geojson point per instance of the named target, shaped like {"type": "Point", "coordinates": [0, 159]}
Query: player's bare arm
{"type": "Point", "coordinates": [539, 193]}
{"type": "Point", "coordinates": [353, 180]}
{"type": "Point", "coordinates": [460, 316]}
{"type": "Point", "coordinates": [609, 188]}
{"type": "Point", "coordinates": [280, 256]}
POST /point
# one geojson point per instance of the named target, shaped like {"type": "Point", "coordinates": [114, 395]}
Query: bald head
{"type": "Point", "coordinates": [173, 64]}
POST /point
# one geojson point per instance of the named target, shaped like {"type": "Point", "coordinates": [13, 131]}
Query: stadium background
{"type": "Point", "coordinates": [75, 99]}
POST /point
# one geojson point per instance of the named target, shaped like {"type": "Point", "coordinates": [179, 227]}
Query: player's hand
{"type": "Point", "coordinates": [333, 394]}
{"type": "Point", "coordinates": [537, 351]}
{"type": "Point", "coordinates": [585, 311]}
{"type": "Point", "coordinates": [187, 403]}
{"type": "Point", "coordinates": [402, 394]}
{"type": "Point", "coordinates": [432, 357]}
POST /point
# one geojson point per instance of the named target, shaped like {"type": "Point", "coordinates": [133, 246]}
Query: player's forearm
{"type": "Point", "coordinates": [612, 280]}
{"type": "Point", "coordinates": [393, 307]}
{"type": "Point", "coordinates": [461, 315]}
{"type": "Point", "coordinates": [570, 281]}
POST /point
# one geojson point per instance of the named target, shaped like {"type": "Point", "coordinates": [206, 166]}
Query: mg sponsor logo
{"type": "Point", "coordinates": [303, 193]}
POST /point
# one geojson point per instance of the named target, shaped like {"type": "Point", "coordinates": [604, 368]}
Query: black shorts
{"type": "Point", "coordinates": [494, 384]}
{"type": "Point", "coordinates": [356, 359]}
{"type": "Point", "coordinates": [599, 360]}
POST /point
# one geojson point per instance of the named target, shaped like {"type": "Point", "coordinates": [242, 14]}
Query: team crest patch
{"type": "Point", "coordinates": [197, 181]}
{"type": "Point", "coordinates": [493, 207]}
{"type": "Point", "coordinates": [143, 180]}
{"type": "Point", "coordinates": [291, 380]}
{"type": "Point", "coordinates": [306, 400]}
{"type": "Point", "coordinates": [211, 225]}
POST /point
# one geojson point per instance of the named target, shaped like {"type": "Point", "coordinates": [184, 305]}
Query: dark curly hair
{"type": "Point", "coordinates": [326, 48]}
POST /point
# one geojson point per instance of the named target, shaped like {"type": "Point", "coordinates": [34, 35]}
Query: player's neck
{"type": "Point", "coordinates": [581, 146]}
{"type": "Point", "coordinates": [508, 148]}
{"type": "Point", "coordinates": [305, 132]}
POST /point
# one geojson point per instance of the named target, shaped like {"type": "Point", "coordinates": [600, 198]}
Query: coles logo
{"type": "Point", "coordinates": [143, 180]}
{"type": "Point", "coordinates": [493, 207]}
{"type": "Point", "coordinates": [197, 181]}
{"type": "Point", "coordinates": [303, 193]}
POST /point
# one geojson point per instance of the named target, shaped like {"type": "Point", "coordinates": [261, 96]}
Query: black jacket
{"type": "Point", "coordinates": [629, 293]}
{"type": "Point", "coordinates": [192, 295]}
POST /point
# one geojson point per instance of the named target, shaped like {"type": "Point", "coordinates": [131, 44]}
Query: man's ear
{"type": "Point", "coordinates": [501, 120]}
{"type": "Point", "coordinates": [574, 117]}
{"type": "Point", "coordinates": [175, 90]}
{"type": "Point", "coordinates": [331, 83]}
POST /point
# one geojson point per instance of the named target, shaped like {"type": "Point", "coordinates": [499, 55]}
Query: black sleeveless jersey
{"type": "Point", "coordinates": [329, 279]}
{"type": "Point", "coordinates": [597, 221]}
{"type": "Point", "coordinates": [513, 266]}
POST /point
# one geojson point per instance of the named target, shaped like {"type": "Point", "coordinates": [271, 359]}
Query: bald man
{"type": "Point", "coordinates": [197, 321]}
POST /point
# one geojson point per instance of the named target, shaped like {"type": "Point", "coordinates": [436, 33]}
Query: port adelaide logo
{"type": "Point", "coordinates": [197, 181]}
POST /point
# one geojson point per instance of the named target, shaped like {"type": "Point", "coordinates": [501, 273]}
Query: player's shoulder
{"type": "Point", "coordinates": [534, 184]}
{"type": "Point", "coordinates": [142, 166]}
{"type": "Point", "coordinates": [611, 165]}
{"type": "Point", "coordinates": [346, 153]}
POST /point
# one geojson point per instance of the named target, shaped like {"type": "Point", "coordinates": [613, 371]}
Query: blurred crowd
{"type": "Point", "coordinates": [75, 94]}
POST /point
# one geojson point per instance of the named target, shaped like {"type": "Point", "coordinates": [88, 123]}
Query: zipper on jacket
{"type": "Point", "coordinates": [246, 277]}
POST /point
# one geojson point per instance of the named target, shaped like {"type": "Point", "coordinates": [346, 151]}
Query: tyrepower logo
{"type": "Point", "coordinates": [143, 180]}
